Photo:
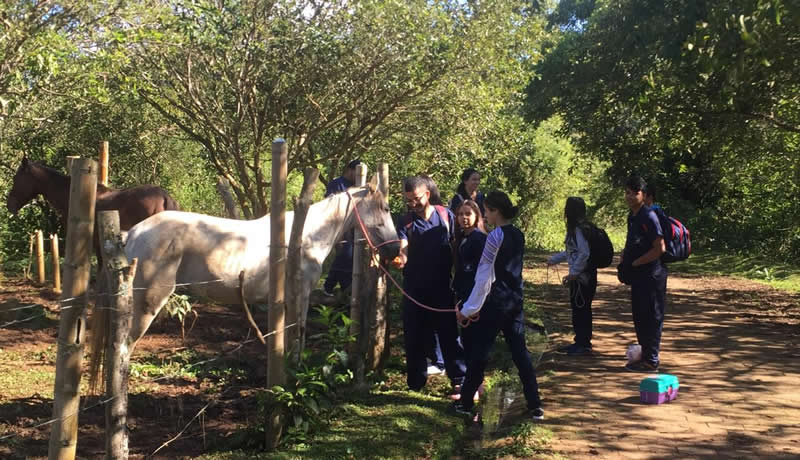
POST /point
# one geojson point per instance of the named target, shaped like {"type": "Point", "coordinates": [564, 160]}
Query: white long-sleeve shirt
{"type": "Point", "coordinates": [576, 254]}
{"type": "Point", "coordinates": [484, 276]}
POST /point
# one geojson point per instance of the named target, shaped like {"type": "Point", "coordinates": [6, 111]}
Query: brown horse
{"type": "Point", "coordinates": [134, 204]}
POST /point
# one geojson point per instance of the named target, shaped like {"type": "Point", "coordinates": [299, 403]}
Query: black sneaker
{"type": "Point", "coordinates": [566, 349]}
{"type": "Point", "coordinates": [536, 414]}
{"type": "Point", "coordinates": [459, 408]}
{"type": "Point", "coordinates": [641, 366]}
{"type": "Point", "coordinates": [579, 350]}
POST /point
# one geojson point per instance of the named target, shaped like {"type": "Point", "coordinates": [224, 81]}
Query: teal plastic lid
{"type": "Point", "coordinates": [659, 383]}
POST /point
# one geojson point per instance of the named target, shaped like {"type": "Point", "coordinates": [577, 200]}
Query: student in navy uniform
{"type": "Point", "coordinates": [468, 248]}
{"type": "Point", "coordinates": [434, 350]}
{"type": "Point", "coordinates": [582, 278]}
{"type": "Point", "coordinates": [468, 190]}
{"type": "Point", "coordinates": [495, 305]}
{"type": "Point", "coordinates": [650, 197]}
{"type": "Point", "coordinates": [427, 259]}
{"type": "Point", "coordinates": [341, 271]}
{"type": "Point", "coordinates": [641, 259]}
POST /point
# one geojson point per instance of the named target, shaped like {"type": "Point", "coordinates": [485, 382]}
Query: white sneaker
{"type": "Point", "coordinates": [434, 370]}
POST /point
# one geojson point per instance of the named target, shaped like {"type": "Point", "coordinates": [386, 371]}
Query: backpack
{"type": "Point", "coordinates": [676, 238]}
{"type": "Point", "coordinates": [601, 251]}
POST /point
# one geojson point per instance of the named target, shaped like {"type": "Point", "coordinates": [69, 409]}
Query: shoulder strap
{"type": "Point", "coordinates": [408, 220]}
{"type": "Point", "coordinates": [443, 216]}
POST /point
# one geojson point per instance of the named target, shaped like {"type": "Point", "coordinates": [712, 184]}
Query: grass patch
{"type": "Point", "coordinates": [19, 379]}
{"type": "Point", "coordinates": [189, 366]}
{"type": "Point", "coordinates": [756, 268]}
{"type": "Point", "coordinates": [377, 424]}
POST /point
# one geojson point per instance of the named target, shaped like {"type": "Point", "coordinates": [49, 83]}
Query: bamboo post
{"type": "Point", "coordinates": [297, 294]}
{"type": "Point", "coordinates": [40, 256]}
{"type": "Point", "coordinates": [276, 374]}
{"type": "Point", "coordinates": [356, 302]}
{"type": "Point", "coordinates": [378, 308]}
{"type": "Point", "coordinates": [80, 230]}
{"type": "Point", "coordinates": [117, 359]}
{"type": "Point", "coordinates": [224, 189]}
{"type": "Point", "coordinates": [56, 264]}
{"type": "Point", "coordinates": [103, 154]}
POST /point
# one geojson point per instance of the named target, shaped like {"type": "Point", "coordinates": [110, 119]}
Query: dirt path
{"type": "Point", "coordinates": [732, 344]}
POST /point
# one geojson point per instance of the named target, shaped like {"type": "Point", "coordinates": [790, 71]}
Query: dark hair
{"type": "Point", "coordinates": [575, 212]}
{"type": "Point", "coordinates": [500, 201]}
{"type": "Point", "coordinates": [461, 189]}
{"type": "Point", "coordinates": [636, 183]}
{"type": "Point", "coordinates": [479, 226]}
{"type": "Point", "coordinates": [436, 197]}
{"type": "Point", "coordinates": [412, 183]}
{"type": "Point", "coordinates": [650, 190]}
{"type": "Point", "coordinates": [477, 210]}
{"type": "Point", "coordinates": [353, 164]}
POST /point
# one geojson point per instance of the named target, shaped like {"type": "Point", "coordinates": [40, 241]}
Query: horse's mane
{"type": "Point", "coordinates": [59, 175]}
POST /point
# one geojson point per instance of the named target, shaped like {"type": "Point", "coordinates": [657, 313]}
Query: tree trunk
{"type": "Point", "coordinates": [224, 189]}
{"type": "Point", "coordinates": [119, 276]}
{"type": "Point", "coordinates": [296, 310]}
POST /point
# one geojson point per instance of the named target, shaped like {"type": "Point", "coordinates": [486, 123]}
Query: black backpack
{"type": "Point", "coordinates": [601, 251]}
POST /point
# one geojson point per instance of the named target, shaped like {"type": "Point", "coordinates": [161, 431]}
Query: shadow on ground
{"type": "Point", "coordinates": [731, 343]}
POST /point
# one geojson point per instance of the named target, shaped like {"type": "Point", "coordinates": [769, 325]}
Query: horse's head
{"type": "Point", "coordinates": [24, 187]}
{"type": "Point", "coordinates": [374, 212]}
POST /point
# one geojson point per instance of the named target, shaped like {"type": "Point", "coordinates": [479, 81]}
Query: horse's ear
{"type": "Point", "coordinates": [373, 183]}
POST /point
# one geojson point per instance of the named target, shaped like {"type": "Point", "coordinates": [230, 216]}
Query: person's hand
{"type": "Point", "coordinates": [569, 278]}
{"type": "Point", "coordinates": [399, 261]}
{"type": "Point", "coordinates": [460, 317]}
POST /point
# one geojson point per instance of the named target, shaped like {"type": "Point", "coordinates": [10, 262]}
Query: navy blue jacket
{"type": "Point", "coordinates": [468, 257]}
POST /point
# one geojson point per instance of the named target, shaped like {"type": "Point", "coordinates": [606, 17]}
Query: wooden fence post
{"type": "Point", "coordinates": [56, 263]}
{"type": "Point", "coordinates": [276, 315]}
{"type": "Point", "coordinates": [224, 189]}
{"type": "Point", "coordinates": [119, 276]}
{"type": "Point", "coordinates": [375, 298]}
{"type": "Point", "coordinates": [72, 326]}
{"type": "Point", "coordinates": [103, 158]}
{"type": "Point", "coordinates": [70, 159]}
{"type": "Point", "coordinates": [40, 256]}
{"type": "Point", "coordinates": [297, 295]}
{"type": "Point", "coordinates": [356, 300]}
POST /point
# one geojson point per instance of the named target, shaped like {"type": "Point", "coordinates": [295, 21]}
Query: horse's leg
{"type": "Point", "coordinates": [151, 294]}
{"type": "Point", "coordinates": [312, 272]}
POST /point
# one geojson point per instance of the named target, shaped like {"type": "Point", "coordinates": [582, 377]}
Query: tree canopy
{"type": "Point", "coordinates": [701, 97]}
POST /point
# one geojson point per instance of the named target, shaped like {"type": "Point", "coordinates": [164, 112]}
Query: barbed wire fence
{"type": "Point", "coordinates": [66, 304]}
{"type": "Point", "coordinates": [215, 400]}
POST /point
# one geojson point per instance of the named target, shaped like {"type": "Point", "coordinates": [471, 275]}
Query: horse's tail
{"type": "Point", "coordinates": [98, 338]}
{"type": "Point", "coordinates": [169, 203]}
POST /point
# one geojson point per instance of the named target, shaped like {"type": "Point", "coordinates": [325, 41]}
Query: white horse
{"type": "Point", "coordinates": [174, 247]}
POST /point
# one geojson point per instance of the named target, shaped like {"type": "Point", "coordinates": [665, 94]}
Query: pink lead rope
{"type": "Point", "coordinates": [374, 249]}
